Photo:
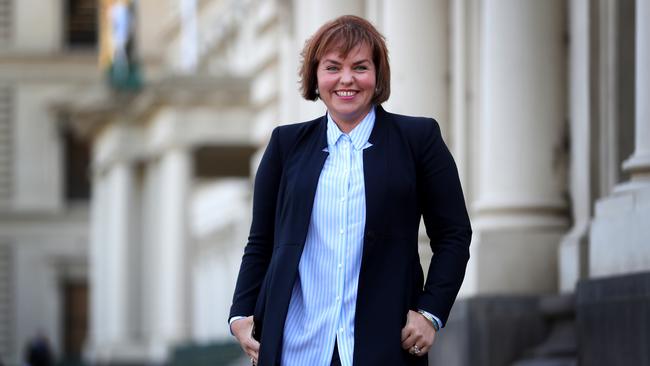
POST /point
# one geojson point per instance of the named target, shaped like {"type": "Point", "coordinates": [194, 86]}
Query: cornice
{"type": "Point", "coordinates": [64, 67]}
{"type": "Point", "coordinates": [91, 110]}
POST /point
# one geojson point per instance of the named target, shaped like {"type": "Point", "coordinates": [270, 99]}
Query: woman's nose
{"type": "Point", "coordinates": [346, 77]}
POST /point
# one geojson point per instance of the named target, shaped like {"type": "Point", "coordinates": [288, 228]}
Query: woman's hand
{"type": "Point", "coordinates": [242, 329]}
{"type": "Point", "coordinates": [418, 334]}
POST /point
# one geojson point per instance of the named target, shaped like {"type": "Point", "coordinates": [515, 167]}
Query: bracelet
{"type": "Point", "coordinates": [428, 316]}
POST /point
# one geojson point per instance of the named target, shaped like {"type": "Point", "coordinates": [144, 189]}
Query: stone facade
{"type": "Point", "coordinates": [43, 228]}
{"type": "Point", "coordinates": [544, 105]}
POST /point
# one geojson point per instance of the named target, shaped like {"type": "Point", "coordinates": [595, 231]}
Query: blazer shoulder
{"type": "Point", "coordinates": [289, 134]}
{"type": "Point", "coordinates": [418, 130]}
{"type": "Point", "coordinates": [287, 138]}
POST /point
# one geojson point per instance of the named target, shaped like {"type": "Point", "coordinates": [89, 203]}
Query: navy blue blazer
{"type": "Point", "coordinates": [408, 173]}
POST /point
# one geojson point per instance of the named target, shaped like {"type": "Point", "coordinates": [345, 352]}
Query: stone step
{"type": "Point", "coordinates": [561, 341]}
{"type": "Point", "coordinates": [557, 306]}
{"type": "Point", "coordinates": [560, 347]}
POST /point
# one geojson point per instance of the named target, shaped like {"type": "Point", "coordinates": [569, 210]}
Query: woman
{"type": "Point", "coordinates": [331, 273]}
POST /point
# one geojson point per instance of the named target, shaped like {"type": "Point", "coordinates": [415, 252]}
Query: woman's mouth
{"type": "Point", "coordinates": [346, 93]}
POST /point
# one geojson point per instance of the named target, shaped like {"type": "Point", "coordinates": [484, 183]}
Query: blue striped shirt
{"type": "Point", "coordinates": [324, 296]}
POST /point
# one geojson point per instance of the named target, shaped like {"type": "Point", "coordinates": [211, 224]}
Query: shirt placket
{"type": "Point", "coordinates": [345, 153]}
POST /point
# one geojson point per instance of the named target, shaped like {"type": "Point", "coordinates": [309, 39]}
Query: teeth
{"type": "Point", "coordinates": [345, 93]}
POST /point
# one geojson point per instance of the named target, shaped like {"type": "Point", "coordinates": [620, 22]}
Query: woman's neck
{"type": "Point", "coordinates": [346, 125]}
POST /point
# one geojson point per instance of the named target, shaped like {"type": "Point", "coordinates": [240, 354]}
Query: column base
{"type": "Point", "coordinates": [574, 257]}
{"type": "Point", "coordinates": [513, 261]}
{"type": "Point", "coordinates": [638, 163]}
{"type": "Point", "coordinates": [612, 318]}
{"type": "Point", "coordinates": [620, 234]}
{"type": "Point", "coordinates": [638, 182]}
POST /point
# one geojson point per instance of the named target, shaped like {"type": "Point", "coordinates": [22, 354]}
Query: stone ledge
{"type": "Point", "coordinates": [613, 320]}
{"type": "Point", "coordinates": [489, 331]}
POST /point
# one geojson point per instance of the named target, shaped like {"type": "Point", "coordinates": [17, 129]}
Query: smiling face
{"type": "Point", "coordinates": [347, 85]}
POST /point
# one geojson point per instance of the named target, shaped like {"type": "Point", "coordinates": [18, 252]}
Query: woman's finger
{"type": "Point", "coordinates": [410, 341]}
{"type": "Point", "coordinates": [253, 347]}
{"type": "Point", "coordinates": [405, 333]}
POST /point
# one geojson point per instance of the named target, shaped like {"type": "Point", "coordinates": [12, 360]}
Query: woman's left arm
{"type": "Point", "coordinates": [447, 224]}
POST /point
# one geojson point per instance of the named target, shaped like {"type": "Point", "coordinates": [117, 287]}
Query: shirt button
{"type": "Point", "coordinates": [341, 231]}
{"type": "Point", "coordinates": [340, 265]}
{"type": "Point", "coordinates": [342, 199]}
{"type": "Point", "coordinates": [341, 329]}
{"type": "Point", "coordinates": [338, 298]}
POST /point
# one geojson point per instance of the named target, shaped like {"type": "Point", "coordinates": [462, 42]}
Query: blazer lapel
{"type": "Point", "coordinates": [375, 168]}
{"type": "Point", "coordinates": [310, 168]}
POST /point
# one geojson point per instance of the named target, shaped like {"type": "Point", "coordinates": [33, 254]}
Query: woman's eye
{"type": "Point", "coordinates": [331, 68]}
{"type": "Point", "coordinates": [361, 68]}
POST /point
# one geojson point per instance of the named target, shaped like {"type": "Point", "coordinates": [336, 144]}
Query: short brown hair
{"type": "Point", "coordinates": [345, 33]}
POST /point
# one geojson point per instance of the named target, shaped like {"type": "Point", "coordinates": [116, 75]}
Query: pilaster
{"type": "Point", "coordinates": [621, 218]}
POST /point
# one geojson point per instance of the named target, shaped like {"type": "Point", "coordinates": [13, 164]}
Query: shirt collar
{"type": "Point", "coordinates": [359, 134]}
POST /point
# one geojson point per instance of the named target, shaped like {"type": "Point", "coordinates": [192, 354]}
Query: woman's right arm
{"type": "Point", "coordinates": [258, 251]}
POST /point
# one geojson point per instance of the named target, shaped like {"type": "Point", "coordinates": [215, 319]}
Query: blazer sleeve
{"type": "Point", "coordinates": [258, 250]}
{"type": "Point", "coordinates": [446, 220]}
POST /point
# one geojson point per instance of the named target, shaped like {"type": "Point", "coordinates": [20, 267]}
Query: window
{"type": "Point", "coordinates": [81, 23]}
{"type": "Point", "coordinates": [77, 167]}
{"type": "Point", "coordinates": [5, 21]}
{"type": "Point", "coordinates": [75, 319]}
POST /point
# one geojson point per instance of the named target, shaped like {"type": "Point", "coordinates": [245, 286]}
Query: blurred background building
{"type": "Point", "coordinates": [130, 131]}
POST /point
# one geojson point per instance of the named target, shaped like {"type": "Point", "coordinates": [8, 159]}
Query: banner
{"type": "Point", "coordinates": [117, 44]}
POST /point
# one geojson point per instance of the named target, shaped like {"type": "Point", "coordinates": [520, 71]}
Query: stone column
{"type": "Point", "coordinates": [151, 266]}
{"type": "Point", "coordinates": [418, 42]}
{"type": "Point", "coordinates": [418, 46]}
{"type": "Point", "coordinates": [97, 265]}
{"type": "Point", "coordinates": [573, 255]}
{"type": "Point", "coordinates": [117, 245]}
{"type": "Point", "coordinates": [114, 248]}
{"type": "Point", "coordinates": [173, 246]}
{"type": "Point", "coordinates": [520, 214]}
